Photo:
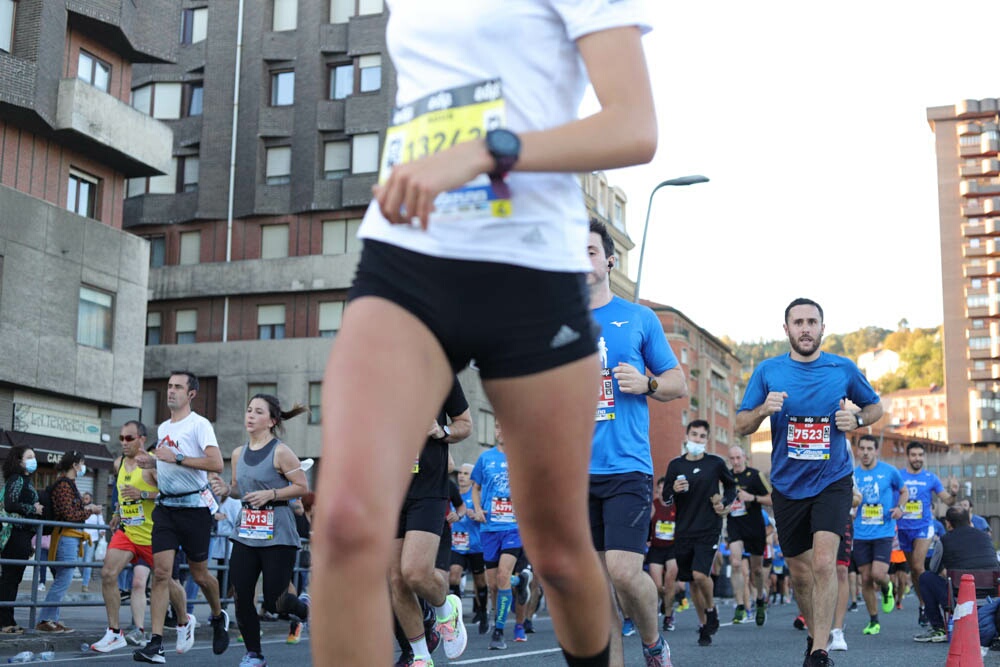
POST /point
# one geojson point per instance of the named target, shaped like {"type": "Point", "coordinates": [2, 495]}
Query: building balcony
{"type": "Point", "coordinates": [111, 131]}
{"type": "Point", "coordinates": [985, 167]}
{"type": "Point", "coordinates": [991, 372]}
{"type": "Point", "coordinates": [983, 270]}
{"type": "Point", "coordinates": [991, 206]}
{"type": "Point", "coordinates": [976, 108]}
{"type": "Point", "coordinates": [969, 251]}
{"type": "Point", "coordinates": [988, 227]}
{"type": "Point", "coordinates": [980, 354]}
{"type": "Point", "coordinates": [977, 312]}
{"type": "Point", "coordinates": [966, 129]}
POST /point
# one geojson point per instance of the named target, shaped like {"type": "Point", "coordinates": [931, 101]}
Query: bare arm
{"type": "Point", "coordinates": [460, 427]}
{"type": "Point", "coordinates": [748, 421]}
{"type": "Point", "coordinates": [671, 384]}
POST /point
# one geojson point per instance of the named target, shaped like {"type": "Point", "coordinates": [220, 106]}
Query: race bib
{"type": "Point", "coordinates": [256, 524]}
{"type": "Point", "coordinates": [416, 466]}
{"type": "Point", "coordinates": [779, 569]}
{"type": "Point", "coordinates": [913, 509]}
{"type": "Point", "coordinates": [132, 514]}
{"type": "Point", "coordinates": [501, 510]}
{"type": "Point", "coordinates": [737, 508]}
{"type": "Point", "coordinates": [872, 515]}
{"type": "Point", "coordinates": [442, 120]}
{"type": "Point", "coordinates": [808, 438]}
{"type": "Point", "coordinates": [460, 542]}
{"type": "Point", "coordinates": [664, 530]}
{"type": "Point", "coordinates": [606, 397]}
{"type": "Point", "coordinates": [208, 500]}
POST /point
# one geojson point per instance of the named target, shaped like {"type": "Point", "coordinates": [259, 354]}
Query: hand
{"type": "Point", "coordinates": [845, 418]}
{"type": "Point", "coordinates": [953, 486]}
{"type": "Point", "coordinates": [630, 380]}
{"type": "Point", "coordinates": [479, 516]}
{"type": "Point", "coordinates": [452, 517]}
{"type": "Point", "coordinates": [39, 508]}
{"type": "Point", "coordinates": [436, 432]}
{"type": "Point", "coordinates": [896, 512]}
{"type": "Point", "coordinates": [165, 454]}
{"type": "Point", "coordinates": [409, 192]}
{"type": "Point", "coordinates": [258, 499]}
{"type": "Point", "coordinates": [130, 492]}
{"type": "Point", "coordinates": [773, 403]}
{"type": "Point", "coordinates": [113, 524]}
{"type": "Point", "coordinates": [744, 496]}
{"type": "Point", "coordinates": [145, 461]}
{"type": "Point", "coordinates": [95, 509]}
{"type": "Point", "coordinates": [681, 486]}
{"type": "Point", "coordinates": [219, 487]}
{"type": "Point", "coordinates": [717, 505]}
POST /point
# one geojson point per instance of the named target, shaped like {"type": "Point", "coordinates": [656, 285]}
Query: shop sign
{"type": "Point", "coordinates": [56, 424]}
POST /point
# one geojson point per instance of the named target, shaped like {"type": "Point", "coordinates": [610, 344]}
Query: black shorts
{"type": "Point", "coordinates": [846, 545]}
{"type": "Point", "coordinates": [869, 551]}
{"type": "Point", "coordinates": [798, 518]}
{"type": "Point", "coordinates": [620, 507]}
{"type": "Point", "coordinates": [694, 556]}
{"type": "Point", "coordinates": [753, 544]}
{"type": "Point", "coordinates": [424, 514]}
{"type": "Point", "coordinates": [187, 527]}
{"type": "Point", "coordinates": [443, 560]}
{"type": "Point", "coordinates": [660, 555]}
{"type": "Point", "coordinates": [513, 320]}
{"type": "Point", "coordinates": [473, 562]}
{"type": "Point", "coordinates": [899, 567]}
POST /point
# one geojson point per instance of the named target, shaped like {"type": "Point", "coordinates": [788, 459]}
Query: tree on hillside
{"type": "Point", "coordinates": [921, 360]}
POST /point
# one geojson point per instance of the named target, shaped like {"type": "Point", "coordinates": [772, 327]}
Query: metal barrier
{"type": "Point", "coordinates": [36, 563]}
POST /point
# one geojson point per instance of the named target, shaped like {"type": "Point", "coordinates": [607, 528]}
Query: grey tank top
{"type": "Point", "coordinates": [269, 526]}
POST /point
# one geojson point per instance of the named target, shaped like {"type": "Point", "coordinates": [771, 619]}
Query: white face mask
{"type": "Point", "coordinates": [82, 471]}
{"type": "Point", "coordinates": [695, 448]}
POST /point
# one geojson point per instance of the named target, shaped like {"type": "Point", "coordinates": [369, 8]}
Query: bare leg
{"type": "Point", "coordinates": [702, 594]}
{"type": "Point", "coordinates": [636, 591]}
{"type": "Point", "coordinates": [917, 558]}
{"type": "Point", "coordinates": [162, 592]}
{"type": "Point", "coordinates": [843, 592]}
{"type": "Point", "coordinates": [814, 576]}
{"type": "Point", "coordinates": [736, 571]}
{"type": "Point", "coordinates": [208, 583]}
{"type": "Point", "coordinates": [114, 563]}
{"type": "Point", "coordinates": [140, 575]}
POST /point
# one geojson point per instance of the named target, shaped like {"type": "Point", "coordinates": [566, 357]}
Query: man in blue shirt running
{"type": "Point", "coordinates": [631, 343]}
{"type": "Point", "coordinates": [803, 394]}
{"type": "Point", "coordinates": [915, 527]}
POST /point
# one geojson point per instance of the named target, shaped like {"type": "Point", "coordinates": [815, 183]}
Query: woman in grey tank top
{"type": "Point", "coordinates": [266, 475]}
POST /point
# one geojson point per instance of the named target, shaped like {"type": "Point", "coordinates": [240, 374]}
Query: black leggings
{"type": "Point", "coordinates": [245, 566]}
{"type": "Point", "coordinates": [18, 547]}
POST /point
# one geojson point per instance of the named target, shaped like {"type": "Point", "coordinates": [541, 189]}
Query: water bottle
{"type": "Point", "coordinates": [84, 648]}
{"type": "Point", "coordinates": [951, 625]}
{"type": "Point", "coordinates": [681, 478]}
{"type": "Point", "coordinates": [46, 656]}
{"type": "Point", "coordinates": [23, 656]}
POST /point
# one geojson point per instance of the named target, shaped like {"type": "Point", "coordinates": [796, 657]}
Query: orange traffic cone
{"type": "Point", "coordinates": [964, 649]}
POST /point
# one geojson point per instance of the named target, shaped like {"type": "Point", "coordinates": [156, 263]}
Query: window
{"type": "Point", "coordinates": [331, 314]}
{"type": "Point", "coordinates": [261, 388]}
{"type": "Point", "coordinates": [271, 322]}
{"type": "Point", "coordinates": [81, 193]}
{"type": "Point", "coordinates": [94, 71]}
{"type": "Point", "coordinates": [190, 248]}
{"type": "Point", "coordinates": [340, 236]}
{"type": "Point", "coordinates": [684, 355]}
{"type": "Point", "coordinates": [285, 15]}
{"type": "Point", "coordinates": [341, 10]}
{"type": "Point", "coordinates": [315, 401]}
{"type": "Point", "coordinates": [364, 156]}
{"type": "Point", "coordinates": [150, 402]}
{"type": "Point", "coordinates": [279, 165]}
{"type": "Point", "coordinates": [159, 100]}
{"type": "Point", "coordinates": [154, 328]}
{"type": "Point", "coordinates": [94, 319]}
{"type": "Point", "coordinates": [369, 7]}
{"type": "Point", "coordinates": [977, 283]}
{"type": "Point", "coordinates": [194, 23]}
{"type": "Point", "coordinates": [371, 73]}
{"type": "Point", "coordinates": [157, 251]}
{"type": "Point", "coordinates": [974, 243]}
{"type": "Point", "coordinates": [187, 326]}
{"type": "Point", "coordinates": [336, 159]}
{"type": "Point", "coordinates": [282, 89]}
{"type": "Point", "coordinates": [487, 428]}
{"type": "Point", "coordinates": [341, 81]}
{"type": "Point", "coordinates": [7, 24]}
{"type": "Point", "coordinates": [194, 94]}
{"type": "Point", "coordinates": [273, 241]}
{"type": "Point", "coordinates": [187, 172]}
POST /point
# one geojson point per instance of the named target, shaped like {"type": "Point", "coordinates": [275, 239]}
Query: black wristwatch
{"type": "Point", "coordinates": [652, 386]}
{"type": "Point", "coordinates": [505, 147]}
{"type": "Point", "coordinates": [180, 458]}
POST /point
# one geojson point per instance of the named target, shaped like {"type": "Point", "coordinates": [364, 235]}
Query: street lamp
{"type": "Point", "coordinates": [683, 180]}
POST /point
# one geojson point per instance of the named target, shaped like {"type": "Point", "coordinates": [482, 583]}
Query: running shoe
{"type": "Point", "coordinates": [252, 659]}
{"type": "Point", "coordinates": [837, 641]}
{"type": "Point", "coordinates": [404, 660]}
{"type": "Point", "coordinates": [712, 620]}
{"type": "Point", "coordinates": [684, 605]}
{"type": "Point", "coordinates": [496, 641]}
{"type": "Point", "coordinates": [922, 618]}
{"type": "Point", "coordinates": [109, 642]}
{"type": "Point", "coordinates": [294, 632]}
{"type": "Point", "coordinates": [704, 636]}
{"type": "Point", "coordinates": [935, 635]}
{"type": "Point", "coordinates": [799, 622]}
{"type": "Point", "coordinates": [818, 659]}
{"type": "Point", "coordinates": [422, 662]}
{"type": "Point", "coordinates": [484, 624]}
{"type": "Point", "coordinates": [185, 634]}
{"type": "Point", "coordinates": [659, 655]}
{"type": "Point", "coordinates": [888, 601]}
{"type": "Point", "coordinates": [854, 606]}
{"type": "Point", "coordinates": [522, 592]}
{"type": "Point", "coordinates": [668, 624]}
{"type": "Point", "coordinates": [519, 635]}
{"type": "Point", "coordinates": [529, 626]}
{"type": "Point", "coordinates": [433, 638]}
{"type": "Point", "coordinates": [628, 628]}
{"type": "Point", "coordinates": [760, 615]}
{"type": "Point", "coordinates": [740, 615]}
{"type": "Point", "coordinates": [150, 653]}
{"type": "Point", "coordinates": [136, 636]}
{"type": "Point", "coordinates": [452, 630]}
{"type": "Point", "coordinates": [220, 632]}
{"type": "Point", "coordinates": [873, 628]}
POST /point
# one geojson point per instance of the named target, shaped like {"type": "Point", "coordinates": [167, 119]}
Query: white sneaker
{"type": "Point", "coordinates": [837, 642]}
{"type": "Point", "coordinates": [453, 630]}
{"type": "Point", "coordinates": [109, 642]}
{"type": "Point", "coordinates": [185, 634]}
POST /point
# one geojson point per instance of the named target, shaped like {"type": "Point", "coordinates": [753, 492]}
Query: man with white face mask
{"type": "Point", "coordinates": [694, 480]}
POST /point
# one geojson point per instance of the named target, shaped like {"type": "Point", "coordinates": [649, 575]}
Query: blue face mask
{"type": "Point", "coordinates": [31, 465]}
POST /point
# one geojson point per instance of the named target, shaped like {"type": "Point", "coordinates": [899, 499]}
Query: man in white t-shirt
{"type": "Point", "coordinates": [186, 451]}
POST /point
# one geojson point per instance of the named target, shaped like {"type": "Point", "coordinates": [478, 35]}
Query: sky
{"type": "Point", "coordinates": [810, 119]}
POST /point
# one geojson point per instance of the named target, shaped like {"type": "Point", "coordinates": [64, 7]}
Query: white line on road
{"type": "Point", "coordinates": [506, 656]}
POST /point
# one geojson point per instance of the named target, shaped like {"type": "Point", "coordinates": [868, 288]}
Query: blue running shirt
{"type": "Point", "coordinates": [465, 531]}
{"type": "Point", "coordinates": [880, 489]}
{"type": "Point", "coordinates": [917, 510]}
{"type": "Point", "coordinates": [630, 334]}
{"type": "Point", "coordinates": [490, 472]}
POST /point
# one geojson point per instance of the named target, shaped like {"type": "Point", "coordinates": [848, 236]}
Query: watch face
{"type": "Point", "coordinates": [503, 142]}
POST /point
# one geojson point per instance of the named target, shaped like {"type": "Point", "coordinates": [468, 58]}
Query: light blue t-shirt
{"type": "Point", "coordinates": [880, 489]}
{"type": "Point", "coordinates": [490, 472]}
{"type": "Point", "coordinates": [465, 531]}
{"type": "Point", "coordinates": [630, 334]}
{"type": "Point", "coordinates": [921, 487]}
{"type": "Point", "coordinates": [816, 454]}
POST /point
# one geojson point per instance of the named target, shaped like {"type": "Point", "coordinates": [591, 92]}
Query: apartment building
{"type": "Point", "coordinates": [72, 282]}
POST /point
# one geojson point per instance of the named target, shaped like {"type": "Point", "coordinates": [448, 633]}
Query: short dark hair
{"type": "Point", "coordinates": [696, 423]}
{"type": "Point", "coordinates": [957, 517]}
{"type": "Point", "coordinates": [869, 436]}
{"type": "Point", "coordinates": [140, 428]}
{"type": "Point", "coordinates": [191, 378]}
{"type": "Point", "coordinates": [802, 301]}
{"type": "Point", "coordinates": [601, 229]}
{"type": "Point", "coordinates": [913, 444]}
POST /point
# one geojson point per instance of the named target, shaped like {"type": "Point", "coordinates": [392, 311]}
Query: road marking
{"type": "Point", "coordinates": [506, 656]}
{"type": "Point", "coordinates": [121, 654]}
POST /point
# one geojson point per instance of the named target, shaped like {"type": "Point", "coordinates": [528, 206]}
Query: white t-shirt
{"type": "Point", "coordinates": [191, 436]}
{"type": "Point", "coordinates": [529, 45]}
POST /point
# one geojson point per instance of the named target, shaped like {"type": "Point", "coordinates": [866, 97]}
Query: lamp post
{"type": "Point", "coordinates": [683, 180]}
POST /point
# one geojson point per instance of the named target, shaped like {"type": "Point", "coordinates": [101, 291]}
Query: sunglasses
{"type": "Point", "coordinates": [127, 438]}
